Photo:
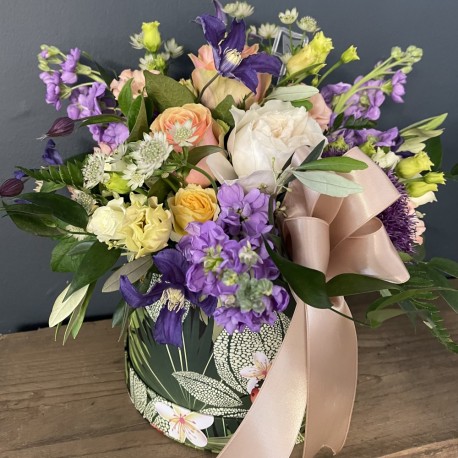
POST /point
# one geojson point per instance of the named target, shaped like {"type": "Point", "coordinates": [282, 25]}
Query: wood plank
{"type": "Point", "coordinates": [72, 401]}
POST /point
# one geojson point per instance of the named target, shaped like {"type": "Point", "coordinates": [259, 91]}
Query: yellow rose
{"type": "Point", "coordinates": [146, 225]}
{"type": "Point", "coordinates": [191, 204]}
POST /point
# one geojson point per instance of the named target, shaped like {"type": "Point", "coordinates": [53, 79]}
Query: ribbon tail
{"type": "Point", "coordinates": [332, 374]}
{"type": "Point", "coordinates": [270, 427]}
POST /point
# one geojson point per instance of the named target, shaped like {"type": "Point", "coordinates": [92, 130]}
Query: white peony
{"type": "Point", "coordinates": [262, 141]}
{"type": "Point", "coordinates": [106, 222]}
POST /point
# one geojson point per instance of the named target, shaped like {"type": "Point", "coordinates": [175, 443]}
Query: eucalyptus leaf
{"type": "Point", "coordinates": [292, 93]}
{"type": "Point", "coordinates": [315, 153]}
{"type": "Point", "coordinates": [134, 270]}
{"type": "Point", "coordinates": [328, 183]}
{"type": "Point", "coordinates": [64, 306]}
{"type": "Point", "coordinates": [336, 164]}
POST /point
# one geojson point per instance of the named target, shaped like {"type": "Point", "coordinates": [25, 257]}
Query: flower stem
{"type": "Point", "coordinates": [205, 174]}
{"type": "Point", "coordinates": [205, 87]}
{"type": "Point", "coordinates": [334, 67]}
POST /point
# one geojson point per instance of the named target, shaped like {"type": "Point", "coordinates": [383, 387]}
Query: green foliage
{"type": "Point", "coordinates": [433, 147]}
{"type": "Point", "coordinates": [222, 110]}
{"type": "Point", "coordinates": [101, 119]}
{"type": "Point", "coordinates": [61, 260]}
{"type": "Point", "coordinates": [328, 183]}
{"type": "Point", "coordinates": [137, 120]}
{"type": "Point", "coordinates": [336, 164]}
{"type": "Point", "coordinates": [125, 98]}
{"type": "Point", "coordinates": [201, 152]}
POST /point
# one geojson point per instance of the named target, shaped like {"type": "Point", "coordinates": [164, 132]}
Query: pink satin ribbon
{"type": "Point", "coordinates": [315, 370]}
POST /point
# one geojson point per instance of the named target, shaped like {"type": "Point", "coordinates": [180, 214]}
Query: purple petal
{"type": "Point", "coordinates": [136, 299]}
{"type": "Point", "coordinates": [168, 328]}
{"type": "Point", "coordinates": [214, 29]}
{"type": "Point", "coordinates": [208, 305]}
{"type": "Point", "coordinates": [264, 63]}
{"type": "Point", "coordinates": [219, 12]}
{"type": "Point", "coordinates": [172, 265]}
{"type": "Point", "coordinates": [247, 76]}
{"type": "Point", "coordinates": [236, 37]}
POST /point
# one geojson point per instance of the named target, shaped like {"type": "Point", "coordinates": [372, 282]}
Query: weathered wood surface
{"type": "Point", "coordinates": [72, 402]}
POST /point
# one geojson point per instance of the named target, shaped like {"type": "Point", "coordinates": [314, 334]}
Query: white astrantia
{"type": "Point", "coordinates": [238, 10]}
{"type": "Point", "coordinates": [151, 152]}
{"type": "Point", "coordinates": [148, 62]}
{"type": "Point", "coordinates": [134, 178]}
{"type": "Point", "coordinates": [136, 40]}
{"type": "Point", "coordinates": [84, 199]}
{"type": "Point", "coordinates": [251, 30]}
{"type": "Point", "coordinates": [268, 31]}
{"type": "Point", "coordinates": [286, 57]}
{"type": "Point", "coordinates": [308, 24]}
{"type": "Point", "coordinates": [289, 16]}
{"type": "Point", "coordinates": [184, 424]}
{"type": "Point", "coordinates": [94, 169]}
{"type": "Point", "coordinates": [172, 47]}
{"type": "Point", "coordinates": [163, 55]}
{"type": "Point", "coordinates": [385, 160]}
{"type": "Point", "coordinates": [183, 133]}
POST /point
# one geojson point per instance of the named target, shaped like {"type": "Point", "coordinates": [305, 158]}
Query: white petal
{"type": "Point", "coordinates": [249, 372]}
{"type": "Point", "coordinates": [251, 385]}
{"type": "Point", "coordinates": [261, 359]}
{"type": "Point", "coordinates": [177, 431]}
{"type": "Point", "coordinates": [164, 411]}
{"type": "Point", "coordinates": [195, 436]}
{"type": "Point", "coordinates": [180, 411]}
{"type": "Point", "coordinates": [221, 167]}
{"type": "Point", "coordinates": [199, 420]}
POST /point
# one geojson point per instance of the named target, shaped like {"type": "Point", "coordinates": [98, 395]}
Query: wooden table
{"type": "Point", "coordinates": [72, 401]}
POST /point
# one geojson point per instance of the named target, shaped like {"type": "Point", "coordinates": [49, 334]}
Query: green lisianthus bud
{"type": "Point", "coordinates": [151, 36]}
{"type": "Point", "coordinates": [420, 188]}
{"type": "Point", "coordinates": [349, 55]}
{"type": "Point", "coordinates": [434, 178]}
{"type": "Point", "coordinates": [117, 184]}
{"type": "Point", "coordinates": [396, 53]}
{"type": "Point", "coordinates": [411, 166]}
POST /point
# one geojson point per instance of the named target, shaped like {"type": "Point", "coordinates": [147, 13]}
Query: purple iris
{"type": "Point", "coordinates": [398, 81]}
{"type": "Point", "coordinates": [51, 156]}
{"type": "Point", "coordinates": [172, 292]}
{"type": "Point", "coordinates": [70, 65]}
{"type": "Point", "coordinates": [227, 52]}
{"type": "Point", "coordinates": [53, 82]}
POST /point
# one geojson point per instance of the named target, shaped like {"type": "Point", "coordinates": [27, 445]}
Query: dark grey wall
{"type": "Point", "coordinates": [102, 28]}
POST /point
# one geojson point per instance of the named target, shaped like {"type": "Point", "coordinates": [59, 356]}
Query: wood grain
{"type": "Point", "coordinates": [72, 401]}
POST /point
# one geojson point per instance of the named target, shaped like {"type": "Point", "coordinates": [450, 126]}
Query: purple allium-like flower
{"type": "Point", "coordinates": [69, 66]}
{"type": "Point", "coordinates": [51, 156]}
{"type": "Point", "coordinates": [53, 82]}
{"type": "Point", "coordinates": [241, 214]}
{"type": "Point", "coordinates": [399, 223]}
{"type": "Point", "coordinates": [398, 81]}
{"type": "Point", "coordinates": [171, 290]}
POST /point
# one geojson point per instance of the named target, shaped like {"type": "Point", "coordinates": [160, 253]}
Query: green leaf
{"type": "Point", "coordinates": [137, 120]}
{"type": "Point", "coordinates": [62, 207]}
{"type": "Point", "coordinates": [349, 284]}
{"type": "Point", "coordinates": [328, 183]}
{"type": "Point", "coordinates": [165, 92]}
{"type": "Point", "coordinates": [454, 170]}
{"type": "Point", "coordinates": [445, 265]}
{"type": "Point", "coordinates": [336, 164]}
{"type": "Point", "coordinates": [222, 110]}
{"type": "Point", "coordinates": [451, 297]}
{"type": "Point", "coordinates": [338, 121]}
{"type": "Point", "coordinates": [315, 154]}
{"type": "Point", "coordinates": [292, 93]}
{"type": "Point", "coordinates": [200, 152]}
{"type": "Point", "coordinates": [68, 174]}
{"type": "Point", "coordinates": [427, 124]}
{"type": "Point", "coordinates": [159, 188]}
{"type": "Point", "coordinates": [377, 317]}
{"type": "Point", "coordinates": [308, 284]}
{"type": "Point", "coordinates": [51, 187]}
{"type": "Point", "coordinates": [98, 260]}
{"type": "Point", "coordinates": [81, 247]}
{"type": "Point", "coordinates": [134, 270]}
{"type": "Point", "coordinates": [101, 119]}
{"type": "Point", "coordinates": [64, 306]}
{"type": "Point", "coordinates": [303, 103]}
{"type": "Point", "coordinates": [118, 314]}
{"type": "Point", "coordinates": [61, 260]}
{"type": "Point", "coordinates": [433, 147]}
{"type": "Point", "coordinates": [125, 97]}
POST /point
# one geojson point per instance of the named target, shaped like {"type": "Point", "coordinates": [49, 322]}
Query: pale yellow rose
{"type": "Point", "coordinates": [146, 226]}
{"type": "Point", "coordinates": [191, 204]}
{"type": "Point", "coordinates": [106, 222]}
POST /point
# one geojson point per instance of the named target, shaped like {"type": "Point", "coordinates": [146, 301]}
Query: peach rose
{"type": "Point", "coordinates": [138, 84]}
{"type": "Point", "coordinates": [320, 112]}
{"type": "Point", "coordinates": [189, 126]}
{"type": "Point", "coordinates": [221, 87]}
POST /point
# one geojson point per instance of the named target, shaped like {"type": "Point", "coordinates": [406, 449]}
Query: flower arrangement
{"type": "Point", "coordinates": [237, 208]}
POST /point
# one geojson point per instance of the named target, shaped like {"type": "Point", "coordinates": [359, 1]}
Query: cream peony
{"type": "Point", "coordinates": [106, 222]}
{"type": "Point", "coordinates": [263, 139]}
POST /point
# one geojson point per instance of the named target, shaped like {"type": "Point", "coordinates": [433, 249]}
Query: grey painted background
{"type": "Point", "coordinates": [102, 28]}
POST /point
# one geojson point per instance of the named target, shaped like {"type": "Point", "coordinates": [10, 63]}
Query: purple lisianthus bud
{"type": "Point", "coordinates": [61, 127]}
{"type": "Point", "coordinates": [11, 187]}
{"type": "Point", "coordinates": [51, 156]}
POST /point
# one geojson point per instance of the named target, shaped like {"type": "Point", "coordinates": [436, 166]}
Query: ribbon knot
{"type": "Point", "coordinates": [315, 370]}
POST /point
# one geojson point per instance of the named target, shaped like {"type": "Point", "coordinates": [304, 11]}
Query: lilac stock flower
{"type": "Point", "coordinates": [398, 81]}
{"type": "Point", "coordinates": [399, 222]}
{"type": "Point", "coordinates": [53, 82]}
{"type": "Point", "coordinates": [69, 66]}
{"type": "Point", "coordinates": [331, 90]}
{"type": "Point", "coordinates": [51, 156]}
{"type": "Point", "coordinates": [11, 187]}
{"type": "Point", "coordinates": [86, 101]}
{"type": "Point", "coordinates": [19, 174]}
{"type": "Point", "coordinates": [227, 52]}
{"type": "Point", "coordinates": [172, 293]}
{"type": "Point", "coordinates": [366, 103]}
{"type": "Point", "coordinates": [113, 134]}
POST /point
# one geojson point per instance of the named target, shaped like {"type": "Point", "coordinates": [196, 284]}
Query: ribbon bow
{"type": "Point", "coordinates": [316, 366]}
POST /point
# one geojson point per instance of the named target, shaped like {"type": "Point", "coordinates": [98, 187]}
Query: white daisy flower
{"type": "Point", "coordinates": [151, 153]}
{"type": "Point", "coordinates": [172, 47]}
{"type": "Point", "coordinates": [289, 16]}
{"type": "Point", "coordinates": [134, 178]}
{"type": "Point", "coordinates": [268, 31]}
{"type": "Point", "coordinates": [308, 24]}
{"type": "Point", "coordinates": [93, 169]}
{"type": "Point", "coordinates": [136, 40]}
{"type": "Point", "coordinates": [183, 134]}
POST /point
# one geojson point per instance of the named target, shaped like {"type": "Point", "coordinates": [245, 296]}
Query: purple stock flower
{"type": "Point", "coordinates": [172, 293]}
{"type": "Point", "coordinates": [113, 134]}
{"type": "Point", "coordinates": [19, 174]}
{"type": "Point", "coordinates": [398, 81]}
{"type": "Point", "coordinates": [331, 90]}
{"type": "Point", "coordinates": [86, 101]}
{"type": "Point", "coordinates": [51, 156]}
{"type": "Point", "coordinates": [399, 222]}
{"type": "Point", "coordinates": [11, 187]}
{"type": "Point", "coordinates": [52, 81]}
{"type": "Point", "coordinates": [241, 214]}
{"type": "Point", "coordinates": [69, 66]}
{"type": "Point", "coordinates": [366, 103]}
{"type": "Point", "coordinates": [227, 51]}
